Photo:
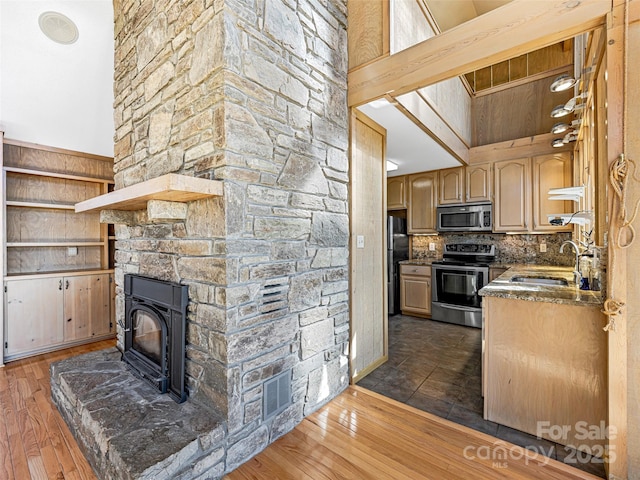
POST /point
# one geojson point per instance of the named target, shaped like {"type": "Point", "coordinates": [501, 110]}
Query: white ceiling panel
{"type": "Point", "coordinates": [408, 146]}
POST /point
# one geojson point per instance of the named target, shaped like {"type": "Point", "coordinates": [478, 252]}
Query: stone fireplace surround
{"type": "Point", "coordinates": [252, 94]}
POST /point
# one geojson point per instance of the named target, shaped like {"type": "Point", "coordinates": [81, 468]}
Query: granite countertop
{"type": "Point", "coordinates": [571, 295]}
{"type": "Point", "coordinates": [416, 261]}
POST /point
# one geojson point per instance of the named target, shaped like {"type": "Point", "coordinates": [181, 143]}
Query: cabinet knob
{"type": "Point", "coordinates": [68, 319]}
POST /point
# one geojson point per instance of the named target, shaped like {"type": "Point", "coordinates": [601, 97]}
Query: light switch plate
{"type": "Point", "coordinates": [543, 247]}
{"type": "Point", "coordinates": [72, 251]}
{"type": "Point", "coordinates": [432, 247]}
{"type": "Point", "coordinates": [359, 241]}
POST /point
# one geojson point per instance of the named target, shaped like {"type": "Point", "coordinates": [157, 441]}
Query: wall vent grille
{"type": "Point", "coordinates": [273, 296]}
{"type": "Point", "coordinates": [277, 394]}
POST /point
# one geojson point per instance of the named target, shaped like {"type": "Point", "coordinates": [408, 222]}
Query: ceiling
{"type": "Point", "coordinates": [408, 146]}
{"type": "Point", "coordinates": [62, 95]}
{"type": "Point", "coordinates": [54, 94]}
{"type": "Point", "coordinates": [450, 13]}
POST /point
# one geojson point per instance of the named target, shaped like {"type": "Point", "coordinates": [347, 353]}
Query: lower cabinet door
{"type": "Point", "coordinates": [77, 307]}
{"type": "Point", "coordinates": [100, 318]}
{"type": "Point", "coordinates": [33, 314]}
{"type": "Point", "coordinates": [415, 294]}
{"type": "Point", "coordinates": [87, 309]}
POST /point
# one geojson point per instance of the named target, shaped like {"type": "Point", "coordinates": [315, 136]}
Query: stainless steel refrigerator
{"type": "Point", "coordinates": [397, 250]}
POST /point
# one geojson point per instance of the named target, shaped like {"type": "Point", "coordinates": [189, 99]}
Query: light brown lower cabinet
{"type": "Point", "coordinates": [43, 314]}
{"type": "Point", "coordinates": [415, 290]}
{"type": "Point", "coordinates": [87, 307]}
{"type": "Point", "coordinates": [545, 370]}
{"type": "Point", "coordinates": [33, 314]}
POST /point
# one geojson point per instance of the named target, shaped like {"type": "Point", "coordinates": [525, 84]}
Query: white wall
{"type": "Point", "coordinates": [53, 94]}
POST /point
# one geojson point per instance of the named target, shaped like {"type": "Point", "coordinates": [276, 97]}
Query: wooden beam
{"type": "Point", "coordinates": [518, 148]}
{"type": "Point", "coordinates": [514, 29]}
{"type": "Point", "coordinates": [170, 187]}
{"type": "Point", "coordinates": [368, 31]}
{"type": "Point", "coordinates": [618, 275]}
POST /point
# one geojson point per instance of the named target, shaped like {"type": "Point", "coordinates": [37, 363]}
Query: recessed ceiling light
{"type": "Point", "coordinates": [58, 27]}
{"type": "Point", "coordinates": [379, 103]}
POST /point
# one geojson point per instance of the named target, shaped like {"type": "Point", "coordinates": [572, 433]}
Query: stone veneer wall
{"type": "Point", "coordinates": [252, 93]}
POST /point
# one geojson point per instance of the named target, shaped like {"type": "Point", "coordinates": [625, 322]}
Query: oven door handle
{"type": "Point", "coordinates": [459, 268]}
{"type": "Point", "coordinates": [458, 307]}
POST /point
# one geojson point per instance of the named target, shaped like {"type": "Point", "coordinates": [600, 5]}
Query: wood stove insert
{"type": "Point", "coordinates": [154, 332]}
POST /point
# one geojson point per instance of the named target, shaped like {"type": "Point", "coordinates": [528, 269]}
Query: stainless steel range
{"type": "Point", "coordinates": [456, 280]}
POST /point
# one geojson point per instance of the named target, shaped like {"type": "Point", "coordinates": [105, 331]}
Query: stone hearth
{"type": "Point", "coordinates": [127, 430]}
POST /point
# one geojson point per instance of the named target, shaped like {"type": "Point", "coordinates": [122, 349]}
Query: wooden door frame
{"type": "Point", "coordinates": [355, 115]}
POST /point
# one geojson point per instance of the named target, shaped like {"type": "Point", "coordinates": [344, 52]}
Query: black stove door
{"type": "Point", "coordinates": [459, 285]}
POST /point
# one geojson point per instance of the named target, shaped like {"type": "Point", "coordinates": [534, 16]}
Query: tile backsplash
{"type": "Point", "coordinates": [510, 249]}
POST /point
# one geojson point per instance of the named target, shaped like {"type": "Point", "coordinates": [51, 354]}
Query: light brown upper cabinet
{"type": "Point", "coordinates": [451, 186]}
{"type": "Point", "coordinates": [396, 193]}
{"type": "Point", "coordinates": [522, 192]}
{"type": "Point", "coordinates": [479, 182]}
{"type": "Point", "coordinates": [550, 171]}
{"type": "Point", "coordinates": [465, 184]}
{"type": "Point", "coordinates": [512, 206]}
{"type": "Point", "coordinates": [421, 212]}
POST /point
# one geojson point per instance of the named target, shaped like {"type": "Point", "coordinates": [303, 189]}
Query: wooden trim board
{"type": "Point", "coordinates": [37, 146]}
{"type": "Point", "coordinates": [171, 187]}
{"type": "Point", "coordinates": [67, 176]}
{"type": "Point", "coordinates": [518, 148]}
{"type": "Point", "coordinates": [58, 273]}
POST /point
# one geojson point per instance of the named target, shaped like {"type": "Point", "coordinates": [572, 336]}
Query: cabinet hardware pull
{"type": "Point", "coordinates": [68, 319]}
{"type": "Point", "coordinates": [66, 285]}
{"type": "Point", "coordinates": [60, 285]}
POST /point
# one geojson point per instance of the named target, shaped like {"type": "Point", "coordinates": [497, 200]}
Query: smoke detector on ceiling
{"type": "Point", "coordinates": [58, 27]}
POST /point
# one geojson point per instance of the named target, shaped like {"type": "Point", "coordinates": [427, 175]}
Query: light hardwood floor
{"type": "Point", "coordinates": [360, 435]}
{"type": "Point", "coordinates": [35, 442]}
{"type": "Point", "coordinates": [363, 435]}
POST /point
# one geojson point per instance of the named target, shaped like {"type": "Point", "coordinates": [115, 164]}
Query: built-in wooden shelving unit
{"type": "Point", "coordinates": [58, 285]}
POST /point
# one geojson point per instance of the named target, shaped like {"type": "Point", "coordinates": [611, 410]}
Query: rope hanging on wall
{"type": "Point", "coordinates": [618, 178]}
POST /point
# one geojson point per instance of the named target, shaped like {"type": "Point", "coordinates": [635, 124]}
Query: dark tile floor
{"type": "Point", "coordinates": [436, 367]}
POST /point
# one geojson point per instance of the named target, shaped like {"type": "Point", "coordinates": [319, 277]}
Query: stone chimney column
{"type": "Point", "coordinates": [253, 94]}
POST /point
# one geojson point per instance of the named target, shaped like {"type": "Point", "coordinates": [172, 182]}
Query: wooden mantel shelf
{"type": "Point", "coordinates": [171, 187]}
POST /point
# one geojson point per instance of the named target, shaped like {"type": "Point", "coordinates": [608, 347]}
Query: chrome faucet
{"type": "Point", "coordinates": [577, 276]}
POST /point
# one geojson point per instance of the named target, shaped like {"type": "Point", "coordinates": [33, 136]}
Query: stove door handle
{"type": "Point", "coordinates": [459, 307]}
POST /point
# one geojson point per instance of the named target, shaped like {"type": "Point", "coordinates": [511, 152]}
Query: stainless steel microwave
{"type": "Point", "coordinates": [469, 217]}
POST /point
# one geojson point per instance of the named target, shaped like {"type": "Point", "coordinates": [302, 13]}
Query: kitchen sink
{"type": "Point", "coordinates": [540, 281]}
